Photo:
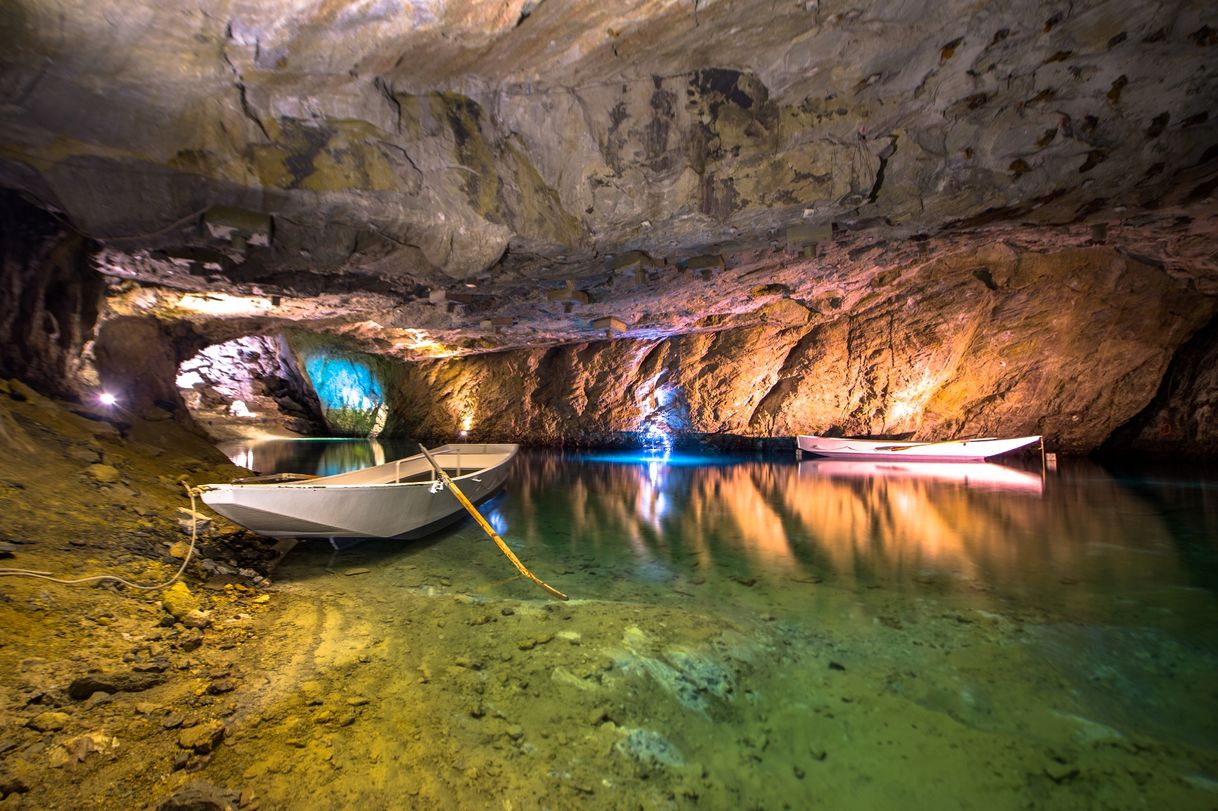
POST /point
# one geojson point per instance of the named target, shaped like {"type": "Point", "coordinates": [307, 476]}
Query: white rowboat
{"type": "Point", "coordinates": [956, 450]}
{"type": "Point", "coordinates": [399, 499]}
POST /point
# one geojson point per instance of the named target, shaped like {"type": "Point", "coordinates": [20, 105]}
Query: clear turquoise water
{"type": "Point", "coordinates": [800, 634]}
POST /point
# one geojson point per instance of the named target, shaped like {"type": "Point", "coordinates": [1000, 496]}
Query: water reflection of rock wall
{"type": "Point", "coordinates": [301, 456]}
{"type": "Point", "coordinates": [767, 520]}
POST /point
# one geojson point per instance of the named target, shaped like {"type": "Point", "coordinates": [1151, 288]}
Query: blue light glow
{"type": "Point", "coordinates": [349, 391]}
{"type": "Point", "coordinates": [496, 519]}
{"type": "Point", "coordinates": [657, 442]}
{"type": "Point", "coordinates": [344, 383]}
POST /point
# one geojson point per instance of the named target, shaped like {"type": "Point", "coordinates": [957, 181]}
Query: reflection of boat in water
{"type": "Point", "coordinates": [399, 499]}
{"type": "Point", "coordinates": [955, 450]}
{"type": "Point", "coordinates": [982, 475]}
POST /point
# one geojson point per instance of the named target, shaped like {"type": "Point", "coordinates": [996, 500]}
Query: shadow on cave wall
{"type": "Point", "coordinates": [1182, 419]}
{"type": "Point", "coordinates": [50, 299]}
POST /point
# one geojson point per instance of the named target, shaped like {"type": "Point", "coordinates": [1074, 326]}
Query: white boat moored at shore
{"type": "Point", "coordinates": [399, 499]}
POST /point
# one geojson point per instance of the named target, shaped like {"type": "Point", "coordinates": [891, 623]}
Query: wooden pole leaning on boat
{"type": "Point", "coordinates": [472, 510]}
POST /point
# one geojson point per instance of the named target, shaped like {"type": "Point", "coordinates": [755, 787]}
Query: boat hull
{"type": "Point", "coordinates": [344, 507]}
{"type": "Point", "coordinates": [964, 450]}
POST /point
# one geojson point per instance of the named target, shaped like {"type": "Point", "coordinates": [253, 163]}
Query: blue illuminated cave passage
{"type": "Point", "coordinates": [350, 391]}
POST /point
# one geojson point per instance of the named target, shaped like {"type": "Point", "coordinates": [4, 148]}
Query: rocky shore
{"type": "Point", "coordinates": [115, 696]}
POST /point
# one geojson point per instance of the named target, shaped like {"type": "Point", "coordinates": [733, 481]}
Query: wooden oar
{"type": "Point", "coordinates": [472, 510]}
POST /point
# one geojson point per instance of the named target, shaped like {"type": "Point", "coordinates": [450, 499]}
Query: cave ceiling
{"type": "Point", "coordinates": [435, 178]}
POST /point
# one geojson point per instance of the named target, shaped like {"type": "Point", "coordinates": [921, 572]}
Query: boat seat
{"type": "Point", "coordinates": [429, 475]}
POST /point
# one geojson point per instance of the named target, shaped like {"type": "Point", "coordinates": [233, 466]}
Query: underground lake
{"type": "Point", "coordinates": [755, 632]}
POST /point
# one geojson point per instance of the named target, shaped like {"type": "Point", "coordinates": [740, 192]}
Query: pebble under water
{"type": "Point", "coordinates": [748, 633]}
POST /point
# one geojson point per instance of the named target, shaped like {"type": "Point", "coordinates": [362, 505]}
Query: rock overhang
{"type": "Point", "coordinates": [430, 180]}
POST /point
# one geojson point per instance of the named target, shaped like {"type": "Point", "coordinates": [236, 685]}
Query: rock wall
{"type": "Point", "coordinates": [57, 335]}
{"type": "Point", "coordinates": [137, 361]}
{"type": "Point", "coordinates": [348, 386]}
{"type": "Point", "coordinates": [250, 385]}
{"type": "Point", "coordinates": [1071, 345]}
{"type": "Point", "coordinates": [49, 300]}
{"type": "Point", "coordinates": [756, 192]}
{"type": "Point", "coordinates": [1182, 420]}
{"type": "Point", "coordinates": [473, 141]}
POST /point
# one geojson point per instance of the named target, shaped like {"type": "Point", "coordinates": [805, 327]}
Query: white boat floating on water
{"type": "Point", "coordinates": [955, 450]}
{"type": "Point", "coordinates": [399, 499]}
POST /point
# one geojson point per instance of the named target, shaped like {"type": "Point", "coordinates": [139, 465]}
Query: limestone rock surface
{"type": "Point", "coordinates": [1181, 418]}
{"type": "Point", "coordinates": [929, 218]}
{"type": "Point", "coordinates": [249, 384]}
{"type": "Point", "coordinates": [484, 141]}
{"type": "Point", "coordinates": [1070, 345]}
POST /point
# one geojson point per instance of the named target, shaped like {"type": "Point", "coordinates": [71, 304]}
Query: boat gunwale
{"type": "Point", "coordinates": [319, 482]}
{"type": "Point", "coordinates": [910, 450]}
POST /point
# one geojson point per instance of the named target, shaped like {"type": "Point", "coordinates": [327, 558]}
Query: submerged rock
{"type": "Point", "coordinates": [201, 796]}
{"type": "Point", "coordinates": [203, 738]}
{"type": "Point", "coordinates": [1060, 770]}
{"type": "Point", "coordinates": [121, 682]}
{"type": "Point", "coordinates": [692, 676]}
{"type": "Point", "coordinates": [649, 748]}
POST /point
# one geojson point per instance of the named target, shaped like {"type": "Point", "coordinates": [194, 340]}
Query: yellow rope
{"type": "Point", "coordinates": [192, 492]}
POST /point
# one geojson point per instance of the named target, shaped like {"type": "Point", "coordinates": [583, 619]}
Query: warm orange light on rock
{"type": "Point", "coordinates": [224, 304]}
